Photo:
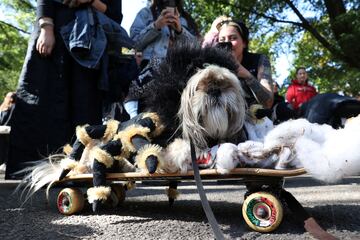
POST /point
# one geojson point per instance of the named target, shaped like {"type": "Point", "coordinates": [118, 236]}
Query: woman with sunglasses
{"type": "Point", "coordinates": [254, 69]}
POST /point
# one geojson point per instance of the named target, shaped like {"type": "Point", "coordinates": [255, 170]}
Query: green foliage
{"type": "Point", "coordinates": [326, 73]}
{"type": "Point", "coordinates": [11, 58]}
{"type": "Point", "coordinates": [321, 37]}
{"type": "Point", "coordinates": [13, 41]}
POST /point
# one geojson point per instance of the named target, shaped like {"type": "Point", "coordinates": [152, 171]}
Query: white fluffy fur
{"type": "Point", "coordinates": [177, 156]}
{"type": "Point", "coordinates": [252, 154]}
{"type": "Point", "coordinates": [68, 163]}
{"type": "Point", "coordinates": [227, 158]}
{"type": "Point", "coordinates": [287, 133]}
{"type": "Point", "coordinates": [40, 175]}
{"type": "Point", "coordinates": [98, 193]}
{"type": "Point", "coordinates": [326, 153]}
{"type": "Point", "coordinates": [336, 157]}
{"type": "Point", "coordinates": [203, 114]}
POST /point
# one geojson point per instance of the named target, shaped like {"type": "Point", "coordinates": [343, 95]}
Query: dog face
{"type": "Point", "coordinates": [212, 106]}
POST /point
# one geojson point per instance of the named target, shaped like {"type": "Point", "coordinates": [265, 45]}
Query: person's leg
{"type": "Point", "coordinates": [38, 120]}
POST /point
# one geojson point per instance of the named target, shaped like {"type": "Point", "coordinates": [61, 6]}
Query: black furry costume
{"type": "Point", "coordinates": [158, 126]}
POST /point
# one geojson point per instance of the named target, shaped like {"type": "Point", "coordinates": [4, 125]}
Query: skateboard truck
{"type": "Point", "coordinates": [172, 192]}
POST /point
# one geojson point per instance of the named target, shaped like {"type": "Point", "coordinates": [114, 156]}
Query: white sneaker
{"type": "Point", "coordinates": [3, 168]}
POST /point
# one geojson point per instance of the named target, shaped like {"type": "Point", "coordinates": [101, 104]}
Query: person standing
{"type": "Point", "coordinates": [6, 109]}
{"type": "Point", "coordinates": [154, 30]}
{"type": "Point", "coordinates": [55, 92]}
{"type": "Point", "coordinates": [300, 91]}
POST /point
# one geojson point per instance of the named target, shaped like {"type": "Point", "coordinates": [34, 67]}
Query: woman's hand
{"type": "Point", "coordinates": [46, 41]}
{"type": "Point", "coordinates": [162, 20]}
{"type": "Point", "coordinates": [168, 18]}
{"type": "Point", "coordinates": [174, 20]}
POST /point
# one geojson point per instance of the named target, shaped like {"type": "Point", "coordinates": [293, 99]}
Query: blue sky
{"type": "Point", "coordinates": [130, 10]}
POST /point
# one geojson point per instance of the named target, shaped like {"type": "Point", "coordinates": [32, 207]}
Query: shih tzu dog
{"type": "Point", "coordinates": [212, 107]}
{"type": "Point", "coordinates": [212, 111]}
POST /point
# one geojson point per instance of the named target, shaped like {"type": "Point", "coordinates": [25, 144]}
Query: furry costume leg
{"type": "Point", "coordinates": [134, 137]}
{"type": "Point", "coordinates": [85, 135]}
{"type": "Point", "coordinates": [137, 139]}
{"type": "Point", "coordinates": [103, 159]}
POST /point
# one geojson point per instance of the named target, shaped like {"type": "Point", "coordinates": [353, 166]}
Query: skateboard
{"type": "Point", "coordinates": [262, 208]}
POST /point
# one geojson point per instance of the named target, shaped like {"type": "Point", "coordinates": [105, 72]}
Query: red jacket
{"type": "Point", "coordinates": [297, 93]}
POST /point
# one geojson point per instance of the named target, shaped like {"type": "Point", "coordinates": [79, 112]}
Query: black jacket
{"type": "Point", "coordinates": [54, 95]}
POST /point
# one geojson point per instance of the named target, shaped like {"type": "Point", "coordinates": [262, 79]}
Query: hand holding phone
{"type": "Point", "coordinates": [171, 10]}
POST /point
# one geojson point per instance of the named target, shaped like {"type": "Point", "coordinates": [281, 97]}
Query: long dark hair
{"type": "Point", "coordinates": [158, 5]}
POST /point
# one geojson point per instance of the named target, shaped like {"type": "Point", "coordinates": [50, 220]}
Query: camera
{"type": "Point", "coordinates": [224, 45]}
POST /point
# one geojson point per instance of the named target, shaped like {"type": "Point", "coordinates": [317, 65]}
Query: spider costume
{"type": "Point", "coordinates": [118, 142]}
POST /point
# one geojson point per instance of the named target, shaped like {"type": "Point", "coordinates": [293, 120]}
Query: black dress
{"type": "Point", "coordinates": [54, 95]}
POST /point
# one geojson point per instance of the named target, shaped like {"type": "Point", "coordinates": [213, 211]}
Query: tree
{"type": "Point", "coordinates": [321, 33]}
{"type": "Point", "coordinates": [14, 34]}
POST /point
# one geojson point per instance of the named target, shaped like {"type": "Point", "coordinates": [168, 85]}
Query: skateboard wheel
{"type": "Point", "coordinates": [262, 212]}
{"type": "Point", "coordinates": [70, 201]}
{"type": "Point", "coordinates": [118, 194]}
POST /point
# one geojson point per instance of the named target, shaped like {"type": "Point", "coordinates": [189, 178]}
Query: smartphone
{"type": "Point", "coordinates": [171, 6]}
{"type": "Point", "coordinates": [172, 10]}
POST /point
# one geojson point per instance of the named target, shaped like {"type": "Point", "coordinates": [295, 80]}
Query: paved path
{"type": "Point", "coordinates": [146, 215]}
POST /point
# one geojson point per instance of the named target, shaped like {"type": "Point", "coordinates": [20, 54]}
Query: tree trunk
{"type": "Point", "coordinates": [343, 31]}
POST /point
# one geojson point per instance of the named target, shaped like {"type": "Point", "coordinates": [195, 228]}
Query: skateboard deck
{"type": "Point", "coordinates": [205, 174]}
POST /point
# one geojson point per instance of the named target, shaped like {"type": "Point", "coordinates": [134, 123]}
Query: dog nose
{"type": "Point", "coordinates": [214, 92]}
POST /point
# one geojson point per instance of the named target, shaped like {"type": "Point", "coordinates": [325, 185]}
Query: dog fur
{"type": "Point", "coordinates": [212, 107]}
{"type": "Point", "coordinates": [184, 60]}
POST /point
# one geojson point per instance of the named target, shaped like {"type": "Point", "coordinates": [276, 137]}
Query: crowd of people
{"type": "Point", "coordinates": [67, 76]}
